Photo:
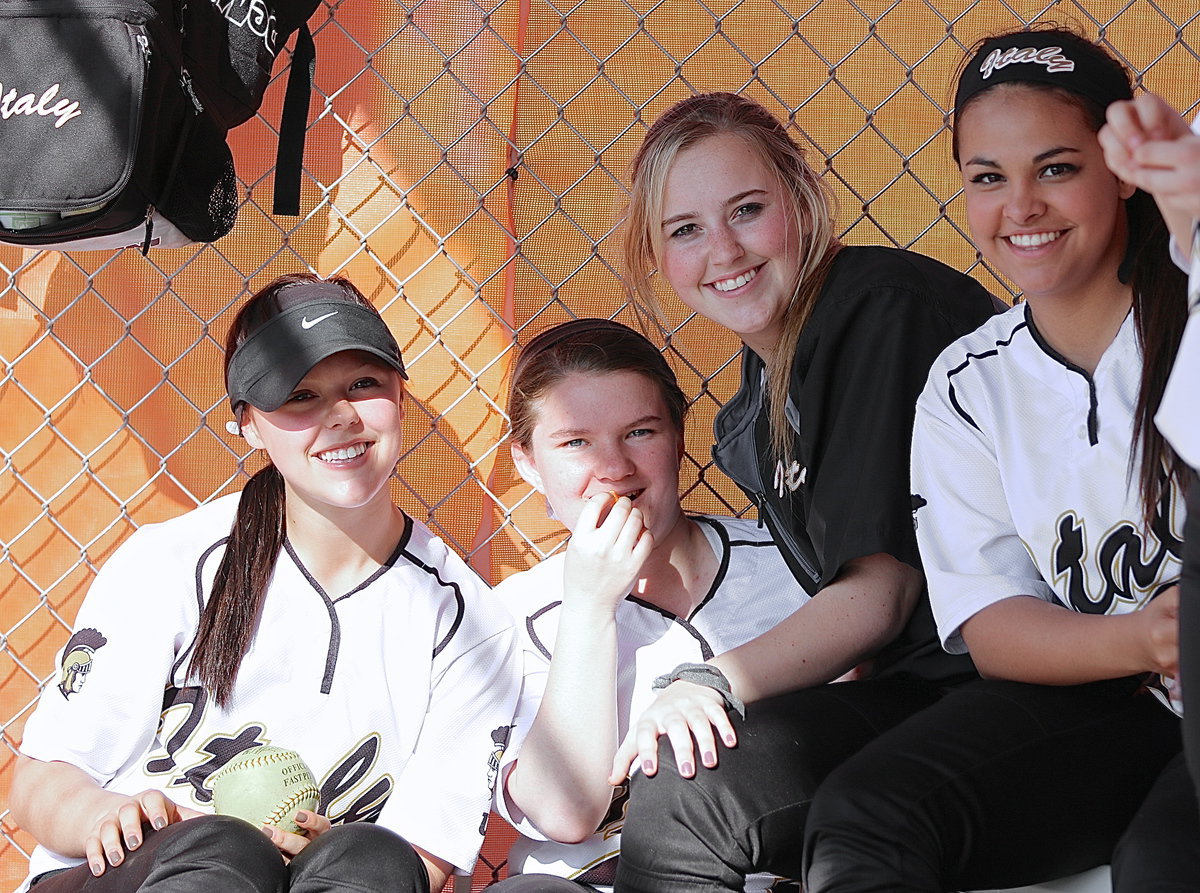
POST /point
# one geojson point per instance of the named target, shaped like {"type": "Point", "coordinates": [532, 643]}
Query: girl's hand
{"type": "Point", "coordinates": [122, 826]}
{"type": "Point", "coordinates": [1147, 143]}
{"type": "Point", "coordinates": [682, 711]}
{"type": "Point", "coordinates": [312, 825]}
{"type": "Point", "coordinates": [608, 547]}
{"type": "Point", "coordinates": [1160, 632]}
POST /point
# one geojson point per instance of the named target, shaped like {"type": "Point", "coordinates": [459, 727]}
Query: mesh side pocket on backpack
{"type": "Point", "coordinates": [202, 199]}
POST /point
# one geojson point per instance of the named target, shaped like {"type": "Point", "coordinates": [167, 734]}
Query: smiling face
{"type": "Point", "coordinates": [337, 438]}
{"type": "Point", "coordinates": [730, 249]}
{"type": "Point", "coordinates": [1042, 206]}
{"type": "Point", "coordinates": [603, 433]}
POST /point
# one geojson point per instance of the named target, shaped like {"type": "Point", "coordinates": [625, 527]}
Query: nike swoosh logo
{"type": "Point", "coordinates": [307, 323]}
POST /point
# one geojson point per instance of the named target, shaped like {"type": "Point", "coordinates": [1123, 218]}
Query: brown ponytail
{"type": "Point", "coordinates": [230, 616]}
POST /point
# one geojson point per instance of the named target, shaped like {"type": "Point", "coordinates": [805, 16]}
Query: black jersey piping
{"type": "Point", "coordinates": [723, 566]}
{"type": "Point", "coordinates": [533, 637]}
{"type": "Point", "coordinates": [1093, 421]}
{"type": "Point", "coordinates": [335, 627]}
{"type": "Point", "coordinates": [200, 562]}
{"type": "Point", "coordinates": [705, 649]}
{"type": "Point", "coordinates": [335, 624]}
{"type": "Point", "coordinates": [460, 603]}
{"type": "Point", "coordinates": [967, 362]}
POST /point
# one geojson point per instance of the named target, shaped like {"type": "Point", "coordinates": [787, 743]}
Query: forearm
{"type": "Point", "coordinates": [848, 621]}
{"type": "Point", "coordinates": [1180, 223]}
{"type": "Point", "coordinates": [58, 804]}
{"type": "Point", "coordinates": [1026, 639]}
{"type": "Point", "coordinates": [560, 780]}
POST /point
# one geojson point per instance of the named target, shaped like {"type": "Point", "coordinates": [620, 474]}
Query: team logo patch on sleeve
{"type": "Point", "coordinates": [918, 502]}
{"type": "Point", "coordinates": [499, 743]}
{"type": "Point", "coordinates": [77, 660]}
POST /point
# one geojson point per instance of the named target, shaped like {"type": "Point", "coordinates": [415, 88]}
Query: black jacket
{"type": "Point", "coordinates": [881, 319]}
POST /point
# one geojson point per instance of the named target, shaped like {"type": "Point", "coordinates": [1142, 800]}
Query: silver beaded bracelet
{"type": "Point", "coordinates": [708, 676]}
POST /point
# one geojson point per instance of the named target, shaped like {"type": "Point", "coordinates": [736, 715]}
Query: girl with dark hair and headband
{"type": "Point", "coordinates": [307, 612]}
{"type": "Point", "coordinates": [597, 429]}
{"type": "Point", "coordinates": [1051, 521]}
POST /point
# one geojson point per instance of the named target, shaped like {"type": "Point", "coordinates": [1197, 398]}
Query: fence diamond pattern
{"type": "Point", "coordinates": [464, 168]}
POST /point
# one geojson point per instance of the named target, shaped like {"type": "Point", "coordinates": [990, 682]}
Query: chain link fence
{"type": "Point", "coordinates": [464, 168]}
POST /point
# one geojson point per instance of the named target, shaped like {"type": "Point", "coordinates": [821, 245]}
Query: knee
{"type": "Point", "coordinates": [849, 803]}
{"type": "Point", "coordinates": [237, 854]}
{"type": "Point", "coordinates": [373, 856]}
{"type": "Point", "coordinates": [861, 830]}
{"type": "Point", "coordinates": [1160, 850]}
{"type": "Point", "coordinates": [221, 834]}
{"type": "Point", "coordinates": [664, 797]}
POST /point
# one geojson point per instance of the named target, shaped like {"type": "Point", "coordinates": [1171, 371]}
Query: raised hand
{"type": "Point", "coordinates": [1147, 143]}
{"type": "Point", "coordinates": [608, 547]}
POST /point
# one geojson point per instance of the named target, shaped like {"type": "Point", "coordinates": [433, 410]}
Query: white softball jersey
{"type": "Point", "coordinates": [398, 694]}
{"type": "Point", "coordinates": [753, 591]}
{"type": "Point", "coordinates": [1178, 416]}
{"type": "Point", "coordinates": [1021, 466]}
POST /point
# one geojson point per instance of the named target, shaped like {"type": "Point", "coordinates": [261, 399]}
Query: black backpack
{"type": "Point", "coordinates": [113, 116]}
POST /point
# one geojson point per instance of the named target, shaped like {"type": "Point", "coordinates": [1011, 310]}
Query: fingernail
{"type": "Point", "coordinates": [709, 758]}
{"type": "Point", "coordinates": [135, 842]}
{"type": "Point", "coordinates": [115, 857]}
{"type": "Point", "coordinates": [648, 766]}
{"type": "Point", "coordinates": [97, 868]}
{"type": "Point", "coordinates": [730, 740]}
{"type": "Point", "coordinates": [268, 830]}
{"type": "Point", "coordinates": [159, 823]}
{"type": "Point", "coordinates": [301, 816]}
{"type": "Point", "coordinates": [686, 769]}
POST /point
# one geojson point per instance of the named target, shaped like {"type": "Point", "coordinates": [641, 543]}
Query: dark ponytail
{"type": "Point", "coordinates": [230, 616]}
{"type": "Point", "coordinates": [1159, 314]}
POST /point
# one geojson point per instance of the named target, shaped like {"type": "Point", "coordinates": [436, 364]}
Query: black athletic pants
{"type": "Point", "coordinates": [1189, 631]}
{"type": "Point", "coordinates": [218, 854]}
{"type": "Point", "coordinates": [747, 814]}
{"type": "Point", "coordinates": [992, 784]}
{"type": "Point", "coordinates": [1000, 784]}
{"type": "Point", "coordinates": [1161, 849]}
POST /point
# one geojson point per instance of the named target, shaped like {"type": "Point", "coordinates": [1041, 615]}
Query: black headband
{"type": "Point", "coordinates": [268, 365]}
{"type": "Point", "coordinates": [572, 328]}
{"type": "Point", "coordinates": [1045, 57]}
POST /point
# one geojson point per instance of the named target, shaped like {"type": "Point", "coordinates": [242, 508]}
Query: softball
{"type": "Point", "coordinates": [265, 786]}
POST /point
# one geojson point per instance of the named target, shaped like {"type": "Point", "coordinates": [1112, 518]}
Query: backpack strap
{"type": "Point", "coordinates": [292, 124]}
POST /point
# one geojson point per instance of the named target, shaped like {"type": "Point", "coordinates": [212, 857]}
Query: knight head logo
{"type": "Point", "coordinates": [918, 502]}
{"type": "Point", "coordinates": [77, 660]}
{"type": "Point", "coordinates": [499, 743]}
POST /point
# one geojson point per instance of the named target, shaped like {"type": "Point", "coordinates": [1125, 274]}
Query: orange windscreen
{"type": "Point", "coordinates": [464, 168]}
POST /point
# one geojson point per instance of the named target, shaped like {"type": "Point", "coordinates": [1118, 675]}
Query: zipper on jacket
{"type": "Point", "coordinates": [781, 532]}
